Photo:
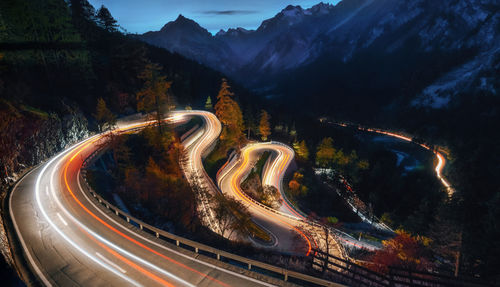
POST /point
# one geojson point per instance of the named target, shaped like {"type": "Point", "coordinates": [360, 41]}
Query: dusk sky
{"type": "Point", "coordinates": [142, 16]}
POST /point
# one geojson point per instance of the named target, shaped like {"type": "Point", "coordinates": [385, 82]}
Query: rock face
{"type": "Point", "coordinates": [30, 137]}
{"type": "Point", "coordinates": [297, 38]}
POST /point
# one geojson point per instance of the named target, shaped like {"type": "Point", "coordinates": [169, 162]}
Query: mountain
{"type": "Point", "coordinates": [458, 40]}
{"type": "Point", "coordinates": [186, 37]}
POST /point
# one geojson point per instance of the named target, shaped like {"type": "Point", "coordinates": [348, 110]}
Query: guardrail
{"type": "Point", "coordinates": [194, 246]}
{"type": "Point", "coordinates": [305, 221]}
{"type": "Point", "coordinates": [354, 274]}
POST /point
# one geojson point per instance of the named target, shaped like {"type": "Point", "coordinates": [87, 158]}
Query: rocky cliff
{"type": "Point", "coordinates": [28, 137]}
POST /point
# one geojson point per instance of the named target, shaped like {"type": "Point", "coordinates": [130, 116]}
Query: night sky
{"type": "Point", "coordinates": [147, 15]}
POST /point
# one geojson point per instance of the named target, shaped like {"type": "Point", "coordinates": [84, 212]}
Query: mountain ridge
{"type": "Point", "coordinates": [295, 38]}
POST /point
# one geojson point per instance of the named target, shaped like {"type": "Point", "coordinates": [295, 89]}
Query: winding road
{"type": "Point", "coordinates": [293, 231]}
{"type": "Point", "coordinates": [69, 240]}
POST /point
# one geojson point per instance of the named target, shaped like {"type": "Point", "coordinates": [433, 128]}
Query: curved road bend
{"type": "Point", "coordinates": [286, 223]}
{"type": "Point", "coordinates": [290, 238]}
{"type": "Point", "coordinates": [197, 146]}
{"type": "Point", "coordinates": [69, 241]}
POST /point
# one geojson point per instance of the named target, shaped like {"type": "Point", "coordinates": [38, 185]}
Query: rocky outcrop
{"type": "Point", "coordinates": [28, 137]}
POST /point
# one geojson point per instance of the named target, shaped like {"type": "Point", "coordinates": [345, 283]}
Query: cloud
{"type": "Point", "coordinates": [229, 12]}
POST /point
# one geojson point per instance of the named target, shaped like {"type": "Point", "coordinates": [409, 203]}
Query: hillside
{"type": "Point", "coordinates": [56, 59]}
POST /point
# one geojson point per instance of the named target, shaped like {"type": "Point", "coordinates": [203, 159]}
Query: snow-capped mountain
{"type": "Point", "coordinates": [466, 32]}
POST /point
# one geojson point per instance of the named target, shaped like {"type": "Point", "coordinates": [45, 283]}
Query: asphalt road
{"type": "Point", "coordinates": [294, 233]}
{"type": "Point", "coordinates": [69, 241]}
{"type": "Point", "coordinates": [283, 226]}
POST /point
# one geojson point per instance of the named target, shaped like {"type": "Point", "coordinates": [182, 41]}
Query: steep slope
{"type": "Point", "coordinates": [309, 43]}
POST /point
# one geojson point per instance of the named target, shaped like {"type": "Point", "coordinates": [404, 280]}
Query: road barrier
{"type": "Point", "coordinates": [196, 247]}
{"type": "Point", "coordinates": [357, 275]}
{"type": "Point", "coordinates": [343, 270]}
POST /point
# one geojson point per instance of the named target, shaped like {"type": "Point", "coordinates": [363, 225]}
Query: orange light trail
{"type": "Point", "coordinates": [84, 146]}
{"type": "Point", "coordinates": [235, 186]}
{"type": "Point", "coordinates": [128, 262]}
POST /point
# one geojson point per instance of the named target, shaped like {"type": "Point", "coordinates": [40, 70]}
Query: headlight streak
{"type": "Point", "coordinates": [54, 226]}
{"type": "Point", "coordinates": [100, 259]}
{"type": "Point", "coordinates": [235, 187]}
{"type": "Point", "coordinates": [441, 160]}
{"type": "Point", "coordinates": [91, 232]}
{"type": "Point", "coordinates": [273, 176]}
{"type": "Point", "coordinates": [125, 236]}
{"type": "Point", "coordinates": [164, 247]}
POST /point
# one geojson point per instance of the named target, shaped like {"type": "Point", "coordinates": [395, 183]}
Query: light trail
{"type": "Point", "coordinates": [441, 160]}
{"type": "Point", "coordinates": [66, 238]}
{"type": "Point", "coordinates": [273, 175]}
{"type": "Point", "coordinates": [77, 153]}
{"type": "Point", "coordinates": [94, 235]}
{"type": "Point", "coordinates": [68, 164]}
{"type": "Point", "coordinates": [235, 182]}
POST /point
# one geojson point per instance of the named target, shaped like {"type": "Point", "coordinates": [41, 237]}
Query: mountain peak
{"type": "Point", "coordinates": [185, 25]}
{"type": "Point", "coordinates": [183, 20]}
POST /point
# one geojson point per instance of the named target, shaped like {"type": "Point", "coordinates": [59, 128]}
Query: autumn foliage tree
{"type": "Point", "coordinates": [229, 113]}
{"type": "Point", "coordinates": [403, 251]}
{"type": "Point", "coordinates": [301, 150]}
{"type": "Point", "coordinates": [325, 152]}
{"type": "Point", "coordinates": [154, 97]}
{"type": "Point", "coordinates": [154, 179]}
{"type": "Point", "coordinates": [296, 186]}
{"type": "Point", "coordinates": [264, 127]}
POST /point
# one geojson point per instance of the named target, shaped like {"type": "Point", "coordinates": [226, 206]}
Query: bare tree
{"type": "Point", "coordinates": [230, 216]}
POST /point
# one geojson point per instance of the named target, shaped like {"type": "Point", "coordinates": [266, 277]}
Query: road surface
{"type": "Point", "coordinates": [295, 233]}
{"type": "Point", "coordinates": [70, 241]}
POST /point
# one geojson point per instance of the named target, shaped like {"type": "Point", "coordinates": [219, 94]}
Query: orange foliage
{"type": "Point", "coordinates": [402, 251]}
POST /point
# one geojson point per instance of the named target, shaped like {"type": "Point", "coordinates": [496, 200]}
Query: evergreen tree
{"type": "Point", "coordinates": [208, 104]}
{"type": "Point", "coordinates": [83, 14]}
{"type": "Point", "coordinates": [105, 20]}
{"type": "Point", "coordinates": [264, 128]}
{"type": "Point", "coordinates": [104, 117]}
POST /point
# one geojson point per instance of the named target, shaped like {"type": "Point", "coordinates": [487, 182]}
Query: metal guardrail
{"type": "Point", "coordinates": [358, 275]}
{"type": "Point", "coordinates": [306, 221]}
{"type": "Point", "coordinates": [193, 245]}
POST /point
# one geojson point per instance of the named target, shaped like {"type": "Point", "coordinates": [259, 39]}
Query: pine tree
{"type": "Point", "coordinates": [105, 20]}
{"type": "Point", "coordinates": [104, 117]}
{"type": "Point", "coordinates": [154, 96]}
{"type": "Point", "coordinates": [264, 128]}
{"type": "Point", "coordinates": [229, 113]}
{"type": "Point", "coordinates": [208, 104]}
{"type": "Point", "coordinates": [83, 14]}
